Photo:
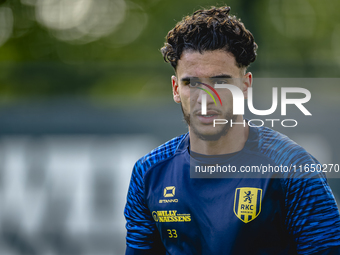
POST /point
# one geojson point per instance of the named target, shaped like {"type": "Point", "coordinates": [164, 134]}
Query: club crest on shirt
{"type": "Point", "coordinates": [247, 203]}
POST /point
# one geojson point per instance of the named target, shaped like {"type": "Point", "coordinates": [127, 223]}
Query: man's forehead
{"type": "Point", "coordinates": [207, 64]}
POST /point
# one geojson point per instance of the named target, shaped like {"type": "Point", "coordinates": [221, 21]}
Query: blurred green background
{"type": "Point", "coordinates": [110, 48]}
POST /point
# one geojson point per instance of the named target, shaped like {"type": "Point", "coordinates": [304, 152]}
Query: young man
{"type": "Point", "coordinates": [168, 212]}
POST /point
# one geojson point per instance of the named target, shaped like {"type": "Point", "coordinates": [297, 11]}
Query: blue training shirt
{"type": "Point", "coordinates": [168, 212]}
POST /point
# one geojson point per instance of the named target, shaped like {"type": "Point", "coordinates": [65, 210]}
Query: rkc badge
{"type": "Point", "coordinates": [247, 203]}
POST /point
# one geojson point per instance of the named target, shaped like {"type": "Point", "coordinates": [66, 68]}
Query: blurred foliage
{"type": "Point", "coordinates": [111, 48]}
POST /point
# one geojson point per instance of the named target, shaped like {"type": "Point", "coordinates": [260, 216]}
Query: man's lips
{"type": "Point", "coordinates": [209, 113]}
{"type": "Point", "coordinates": [209, 117]}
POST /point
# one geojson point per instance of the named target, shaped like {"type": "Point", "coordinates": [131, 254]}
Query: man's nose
{"type": "Point", "coordinates": [204, 96]}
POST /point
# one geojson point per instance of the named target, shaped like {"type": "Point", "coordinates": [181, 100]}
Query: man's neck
{"type": "Point", "coordinates": [233, 141]}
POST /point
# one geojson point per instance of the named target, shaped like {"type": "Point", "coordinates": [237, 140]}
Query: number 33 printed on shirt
{"type": "Point", "coordinates": [172, 233]}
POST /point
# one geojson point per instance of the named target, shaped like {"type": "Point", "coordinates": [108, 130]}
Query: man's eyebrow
{"type": "Point", "coordinates": [187, 78]}
{"type": "Point", "coordinates": [222, 76]}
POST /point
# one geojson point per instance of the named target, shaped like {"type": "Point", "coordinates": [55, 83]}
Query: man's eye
{"type": "Point", "coordinates": [194, 84]}
{"type": "Point", "coordinates": [220, 81]}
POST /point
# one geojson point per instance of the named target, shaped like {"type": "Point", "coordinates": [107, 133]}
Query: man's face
{"type": "Point", "coordinates": [209, 68]}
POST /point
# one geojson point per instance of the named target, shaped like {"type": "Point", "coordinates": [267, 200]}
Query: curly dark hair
{"type": "Point", "coordinates": [208, 30]}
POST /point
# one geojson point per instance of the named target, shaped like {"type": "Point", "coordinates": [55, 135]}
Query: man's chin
{"type": "Point", "coordinates": [210, 135]}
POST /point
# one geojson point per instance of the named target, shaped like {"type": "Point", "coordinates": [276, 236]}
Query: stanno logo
{"type": "Point", "coordinates": [247, 203]}
{"type": "Point", "coordinates": [168, 201]}
{"type": "Point", "coordinates": [169, 192]}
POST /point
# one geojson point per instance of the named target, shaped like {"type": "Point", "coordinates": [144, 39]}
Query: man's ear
{"type": "Point", "coordinates": [247, 81]}
{"type": "Point", "coordinates": [175, 89]}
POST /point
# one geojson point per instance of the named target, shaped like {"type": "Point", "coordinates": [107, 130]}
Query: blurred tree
{"type": "Point", "coordinates": [111, 47]}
